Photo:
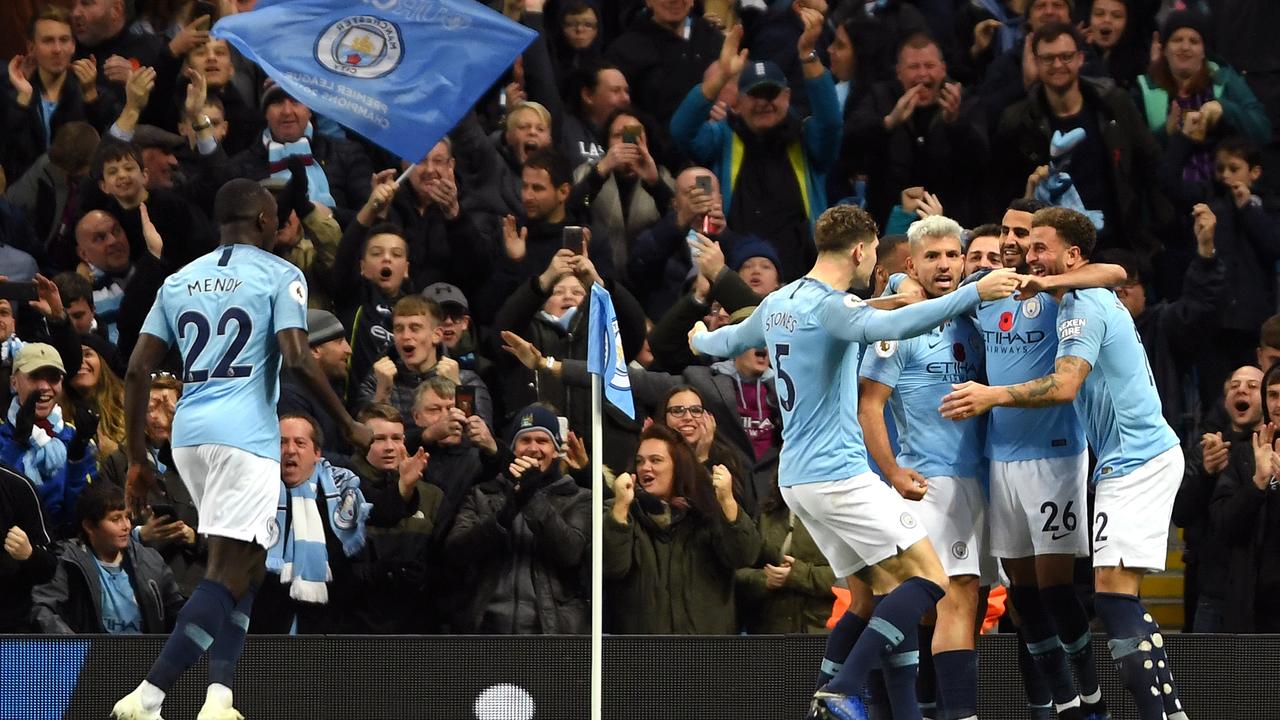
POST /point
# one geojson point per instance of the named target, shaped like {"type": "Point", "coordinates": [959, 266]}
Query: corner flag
{"type": "Point", "coordinates": [399, 72]}
{"type": "Point", "coordinates": [604, 351]}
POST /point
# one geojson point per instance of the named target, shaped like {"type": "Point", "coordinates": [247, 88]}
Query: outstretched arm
{"type": "Point", "coordinates": [970, 398]}
{"type": "Point", "coordinates": [731, 340]}
{"type": "Point", "coordinates": [1091, 275]}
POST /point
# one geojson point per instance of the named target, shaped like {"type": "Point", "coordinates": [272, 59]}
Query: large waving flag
{"type": "Point", "coordinates": [604, 351]}
{"type": "Point", "coordinates": [399, 72]}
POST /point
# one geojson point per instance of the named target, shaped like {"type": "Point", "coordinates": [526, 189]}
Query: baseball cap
{"type": "Point", "coordinates": [323, 326]}
{"type": "Point", "coordinates": [446, 294]}
{"type": "Point", "coordinates": [761, 74]}
{"type": "Point", "coordinates": [34, 356]}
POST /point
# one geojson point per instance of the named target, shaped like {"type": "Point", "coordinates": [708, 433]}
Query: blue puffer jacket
{"type": "Point", "coordinates": [58, 492]}
{"type": "Point", "coordinates": [717, 146]}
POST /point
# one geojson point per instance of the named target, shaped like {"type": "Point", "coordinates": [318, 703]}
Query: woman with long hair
{"type": "Point", "coordinates": [682, 409]}
{"type": "Point", "coordinates": [674, 535]}
{"type": "Point", "coordinates": [97, 385]}
{"type": "Point", "coordinates": [1184, 92]}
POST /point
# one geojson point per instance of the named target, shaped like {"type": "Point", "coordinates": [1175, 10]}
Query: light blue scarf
{"type": "Point", "coordinates": [299, 555]}
{"type": "Point", "coordinates": [1009, 34]}
{"type": "Point", "coordinates": [317, 181]}
{"type": "Point", "coordinates": [45, 454]}
{"type": "Point", "coordinates": [563, 321]}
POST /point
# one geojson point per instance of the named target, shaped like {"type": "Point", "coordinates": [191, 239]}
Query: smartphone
{"type": "Point", "coordinates": [703, 183]}
{"type": "Point", "coordinates": [464, 399]}
{"type": "Point", "coordinates": [631, 134]}
{"type": "Point", "coordinates": [164, 510]}
{"type": "Point", "coordinates": [17, 290]}
{"type": "Point", "coordinates": [203, 8]}
{"type": "Point", "coordinates": [573, 239]}
{"type": "Point", "coordinates": [563, 422]}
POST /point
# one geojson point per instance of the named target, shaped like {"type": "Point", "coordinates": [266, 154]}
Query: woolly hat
{"type": "Point", "coordinates": [1186, 19]}
{"type": "Point", "coordinates": [323, 326]}
{"type": "Point", "coordinates": [749, 247]}
{"type": "Point", "coordinates": [535, 418]}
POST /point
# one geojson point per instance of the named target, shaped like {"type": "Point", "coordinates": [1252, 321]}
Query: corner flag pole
{"type": "Point", "coordinates": [597, 547]}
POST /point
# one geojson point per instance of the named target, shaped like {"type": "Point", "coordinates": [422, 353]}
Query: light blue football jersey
{"type": "Point", "coordinates": [921, 370]}
{"type": "Point", "coordinates": [1021, 345]}
{"type": "Point", "coordinates": [1118, 402]}
{"type": "Point", "coordinates": [223, 310]}
{"type": "Point", "coordinates": [814, 335]}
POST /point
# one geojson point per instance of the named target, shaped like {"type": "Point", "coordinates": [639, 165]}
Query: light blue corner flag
{"type": "Point", "coordinates": [604, 351]}
{"type": "Point", "coordinates": [399, 72]}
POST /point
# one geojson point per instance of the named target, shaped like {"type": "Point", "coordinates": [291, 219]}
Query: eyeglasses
{"type": "Point", "coordinates": [1051, 60]}
{"type": "Point", "coordinates": [682, 410]}
{"type": "Point", "coordinates": [1021, 232]}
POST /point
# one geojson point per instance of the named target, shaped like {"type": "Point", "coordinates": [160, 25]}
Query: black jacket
{"type": "Point", "coordinates": [296, 398]}
{"type": "Point", "coordinates": [72, 601]}
{"type": "Point", "coordinates": [948, 160]}
{"type": "Point", "coordinates": [20, 507]}
{"type": "Point", "coordinates": [24, 129]}
{"type": "Point", "coordinates": [1132, 152]}
{"type": "Point", "coordinates": [1246, 517]}
{"type": "Point", "coordinates": [1247, 240]}
{"type": "Point", "coordinates": [661, 66]}
{"type": "Point", "coordinates": [1207, 552]}
{"type": "Point", "coordinates": [441, 250]}
{"type": "Point", "coordinates": [274, 611]}
{"type": "Point", "coordinates": [548, 538]}
{"type": "Point", "coordinates": [1173, 331]}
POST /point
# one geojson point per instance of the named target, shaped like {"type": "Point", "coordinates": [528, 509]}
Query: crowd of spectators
{"type": "Point", "coordinates": [688, 146]}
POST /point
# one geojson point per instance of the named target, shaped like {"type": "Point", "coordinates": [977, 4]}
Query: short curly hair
{"type": "Point", "coordinates": [1073, 228]}
{"type": "Point", "coordinates": [841, 227]}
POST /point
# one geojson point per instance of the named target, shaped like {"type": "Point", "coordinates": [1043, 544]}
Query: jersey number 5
{"type": "Point", "coordinates": [226, 369]}
{"type": "Point", "coordinates": [788, 399]}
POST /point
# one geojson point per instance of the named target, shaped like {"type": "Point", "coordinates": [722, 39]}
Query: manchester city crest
{"type": "Point", "coordinates": [1031, 308]}
{"type": "Point", "coordinates": [361, 46]}
{"type": "Point", "coordinates": [344, 516]}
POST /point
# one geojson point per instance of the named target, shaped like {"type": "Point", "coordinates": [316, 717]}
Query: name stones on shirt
{"type": "Point", "coordinates": [784, 320]}
{"type": "Point", "coordinates": [214, 285]}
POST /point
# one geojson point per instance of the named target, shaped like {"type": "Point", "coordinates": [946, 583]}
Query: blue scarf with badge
{"type": "Point", "coordinates": [298, 553]}
{"type": "Point", "coordinates": [46, 452]}
{"type": "Point", "coordinates": [317, 181]}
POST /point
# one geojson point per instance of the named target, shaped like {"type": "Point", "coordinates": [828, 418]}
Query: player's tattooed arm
{"type": "Point", "coordinates": [1068, 375]}
{"type": "Point", "coordinates": [971, 399]}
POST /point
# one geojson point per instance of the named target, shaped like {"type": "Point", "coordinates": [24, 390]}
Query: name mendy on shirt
{"type": "Point", "coordinates": [214, 285]}
{"type": "Point", "coordinates": [784, 320]}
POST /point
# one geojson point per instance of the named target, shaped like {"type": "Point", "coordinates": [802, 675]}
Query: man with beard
{"type": "Point", "coordinates": [1113, 167]}
{"type": "Point", "coordinates": [771, 163]}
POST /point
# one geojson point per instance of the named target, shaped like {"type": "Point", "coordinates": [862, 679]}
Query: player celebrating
{"type": "Point", "coordinates": [1039, 466]}
{"type": "Point", "coordinates": [1102, 367]}
{"type": "Point", "coordinates": [939, 461]}
{"type": "Point", "coordinates": [234, 313]}
{"type": "Point", "coordinates": [814, 332]}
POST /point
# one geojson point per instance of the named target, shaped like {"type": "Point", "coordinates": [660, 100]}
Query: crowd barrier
{"type": "Point", "coordinates": [547, 678]}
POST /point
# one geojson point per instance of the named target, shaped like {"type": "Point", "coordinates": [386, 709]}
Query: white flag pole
{"type": "Point", "coordinates": [597, 547]}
